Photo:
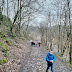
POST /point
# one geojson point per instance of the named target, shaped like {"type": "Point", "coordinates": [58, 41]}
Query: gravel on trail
{"type": "Point", "coordinates": [35, 61]}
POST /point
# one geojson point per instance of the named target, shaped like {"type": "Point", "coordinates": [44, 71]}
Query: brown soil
{"type": "Point", "coordinates": [16, 56]}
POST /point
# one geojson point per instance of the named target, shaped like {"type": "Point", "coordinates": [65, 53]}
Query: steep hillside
{"type": "Point", "coordinates": [12, 47]}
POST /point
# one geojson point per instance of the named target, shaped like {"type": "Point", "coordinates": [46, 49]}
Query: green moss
{"type": "Point", "coordinates": [7, 49]}
{"type": "Point", "coordinates": [4, 61]}
{"type": "Point", "coordinates": [10, 43]}
{"type": "Point", "coordinates": [7, 39]}
{"type": "Point", "coordinates": [4, 48]}
{"type": "Point", "coordinates": [2, 35]}
{"type": "Point", "coordinates": [6, 54]}
{"type": "Point", "coordinates": [0, 32]}
{"type": "Point", "coordinates": [1, 61]}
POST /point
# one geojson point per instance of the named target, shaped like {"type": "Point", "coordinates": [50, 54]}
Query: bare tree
{"type": "Point", "coordinates": [70, 52]}
{"type": "Point", "coordinates": [7, 8]}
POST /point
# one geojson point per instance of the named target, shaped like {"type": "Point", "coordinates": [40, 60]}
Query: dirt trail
{"type": "Point", "coordinates": [35, 61]}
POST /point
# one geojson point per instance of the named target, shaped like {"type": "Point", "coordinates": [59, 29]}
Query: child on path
{"type": "Point", "coordinates": [50, 58]}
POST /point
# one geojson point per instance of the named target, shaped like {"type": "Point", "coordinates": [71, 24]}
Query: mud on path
{"type": "Point", "coordinates": [35, 62]}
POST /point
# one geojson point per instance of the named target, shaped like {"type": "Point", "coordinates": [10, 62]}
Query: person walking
{"type": "Point", "coordinates": [50, 58]}
{"type": "Point", "coordinates": [31, 42]}
{"type": "Point", "coordinates": [35, 43]}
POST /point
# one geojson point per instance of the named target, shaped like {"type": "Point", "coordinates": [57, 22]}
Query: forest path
{"type": "Point", "coordinates": [35, 61]}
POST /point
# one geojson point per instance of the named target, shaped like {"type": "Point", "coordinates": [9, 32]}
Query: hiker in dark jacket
{"type": "Point", "coordinates": [50, 58]}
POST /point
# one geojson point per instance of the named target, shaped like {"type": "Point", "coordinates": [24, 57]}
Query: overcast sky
{"type": "Point", "coordinates": [39, 16]}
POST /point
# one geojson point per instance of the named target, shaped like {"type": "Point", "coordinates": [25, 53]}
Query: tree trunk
{"type": "Point", "coordinates": [7, 8]}
{"type": "Point", "coordinates": [46, 36]}
{"type": "Point", "coordinates": [70, 52]}
{"type": "Point", "coordinates": [59, 38]}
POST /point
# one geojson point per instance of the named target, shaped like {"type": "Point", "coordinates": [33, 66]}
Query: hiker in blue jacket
{"type": "Point", "coordinates": [50, 58]}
